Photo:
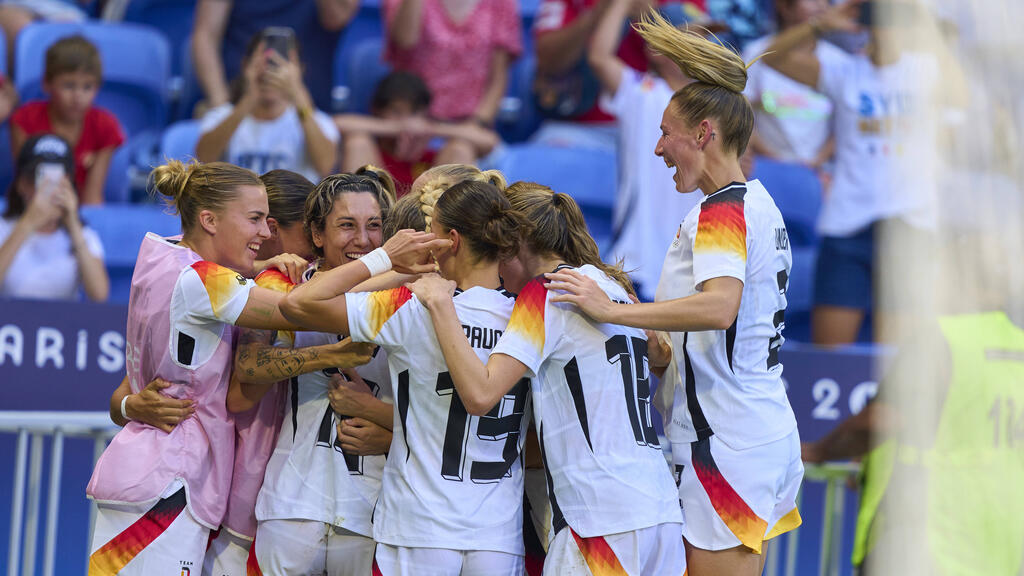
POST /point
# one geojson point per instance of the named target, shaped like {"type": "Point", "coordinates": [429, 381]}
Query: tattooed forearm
{"type": "Point", "coordinates": [262, 363]}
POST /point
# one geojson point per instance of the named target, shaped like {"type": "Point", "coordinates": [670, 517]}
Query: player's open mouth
{"type": "Point", "coordinates": [254, 246]}
{"type": "Point", "coordinates": [354, 255]}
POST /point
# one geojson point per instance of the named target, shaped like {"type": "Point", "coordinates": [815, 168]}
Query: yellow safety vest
{"type": "Point", "coordinates": [975, 468]}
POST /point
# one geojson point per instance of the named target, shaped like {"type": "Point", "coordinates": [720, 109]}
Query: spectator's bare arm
{"type": "Point", "coordinates": [95, 281]}
{"type": "Point", "coordinates": [497, 80]}
{"type": "Point", "coordinates": [404, 28]}
{"type": "Point", "coordinates": [211, 145]}
{"type": "Point", "coordinates": [601, 56]}
{"type": "Point", "coordinates": [335, 14]}
{"type": "Point", "coordinates": [559, 50]}
{"type": "Point", "coordinates": [207, 33]}
{"type": "Point", "coordinates": [801, 65]}
{"type": "Point", "coordinates": [482, 139]}
{"type": "Point", "coordinates": [96, 178]}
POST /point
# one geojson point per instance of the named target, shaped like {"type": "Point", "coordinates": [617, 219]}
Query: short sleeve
{"type": "Point", "coordinates": [508, 35]}
{"type": "Point", "coordinates": [327, 126]}
{"type": "Point", "coordinates": [833, 72]}
{"type": "Point", "coordinates": [213, 292]}
{"type": "Point", "coordinates": [552, 15]}
{"type": "Point", "coordinates": [618, 103]}
{"type": "Point", "coordinates": [525, 337]}
{"type": "Point", "coordinates": [274, 279]}
{"type": "Point", "coordinates": [214, 117]}
{"type": "Point", "coordinates": [108, 130]}
{"type": "Point", "coordinates": [93, 242]}
{"type": "Point", "coordinates": [383, 317]}
{"type": "Point", "coordinates": [720, 242]}
{"type": "Point", "coordinates": [30, 117]}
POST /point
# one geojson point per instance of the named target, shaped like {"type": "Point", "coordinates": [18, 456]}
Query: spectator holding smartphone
{"type": "Point", "coordinates": [272, 123]}
{"type": "Point", "coordinates": [46, 252]}
{"type": "Point", "coordinates": [71, 80]}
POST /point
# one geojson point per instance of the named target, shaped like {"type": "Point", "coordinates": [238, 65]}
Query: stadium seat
{"type": "Point", "coordinates": [136, 68]}
{"type": "Point", "coordinates": [518, 116]}
{"type": "Point", "coordinates": [121, 229]}
{"type": "Point", "coordinates": [589, 176]}
{"type": "Point", "coordinates": [367, 25]}
{"type": "Point", "coordinates": [6, 158]}
{"type": "Point", "coordinates": [797, 192]}
{"type": "Point", "coordinates": [365, 66]}
{"type": "Point", "coordinates": [179, 141]}
{"type": "Point", "coordinates": [3, 53]}
{"type": "Point", "coordinates": [172, 17]}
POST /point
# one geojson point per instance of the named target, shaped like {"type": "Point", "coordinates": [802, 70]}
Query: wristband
{"type": "Point", "coordinates": [124, 413]}
{"type": "Point", "coordinates": [377, 261]}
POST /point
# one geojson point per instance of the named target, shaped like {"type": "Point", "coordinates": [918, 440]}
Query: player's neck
{"type": "Point", "coordinates": [538, 265]}
{"type": "Point", "coordinates": [720, 172]}
{"type": "Point", "coordinates": [483, 274]}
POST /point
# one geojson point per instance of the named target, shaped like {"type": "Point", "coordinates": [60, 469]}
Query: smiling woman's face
{"type": "Point", "coordinates": [352, 229]}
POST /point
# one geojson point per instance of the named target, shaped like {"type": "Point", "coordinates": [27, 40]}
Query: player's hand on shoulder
{"type": "Point", "coordinates": [583, 291]}
{"type": "Point", "coordinates": [432, 289]}
{"type": "Point", "coordinates": [288, 264]}
{"type": "Point", "coordinates": [151, 407]}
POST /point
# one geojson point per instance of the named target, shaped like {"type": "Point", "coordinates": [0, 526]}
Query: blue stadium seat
{"type": "Point", "coordinates": [588, 176]}
{"type": "Point", "coordinates": [172, 17]}
{"type": "Point", "coordinates": [797, 192]}
{"type": "Point", "coordinates": [6, 158]}
{"type": "Point", "coordinates": [136, 68]}
{"type": "Point", "coordinates": [365, 66]}
{"type": "Point", "coordinates": [518, 116]}
{"type": "Point", "coordinates": [121, 229]}
{"type": "Point", "coordinates": [179, 141]}
{"type": "Point", "coordinates": [367, 25]}
{"type": "Point", "coordinates": [3, 53]}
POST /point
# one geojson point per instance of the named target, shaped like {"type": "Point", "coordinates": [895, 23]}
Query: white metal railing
{"type": "Point", "coordinates": [25, 510]}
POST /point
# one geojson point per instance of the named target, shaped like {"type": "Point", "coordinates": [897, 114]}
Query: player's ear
{"type": "Point", "coordinates": [272, 225]}
{"type": "Point", "coordinates": [208, 220]}
{"type": "Point", "coordinates": [456, 239]}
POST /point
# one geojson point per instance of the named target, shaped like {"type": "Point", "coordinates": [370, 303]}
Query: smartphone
{"type": "Point", "coordinates": [48, 178]}
{"type": "Point", "coordinates": [280, 39]}
{"type": "Point", "coordinates": [891, 13]}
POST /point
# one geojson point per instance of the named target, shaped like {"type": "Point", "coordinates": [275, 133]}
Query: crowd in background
{"type": "Point", "coordinates": [266, 100]}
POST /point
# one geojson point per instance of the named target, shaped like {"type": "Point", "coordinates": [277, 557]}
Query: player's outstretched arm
{"type": "Point", "coordinates": [479, 386]}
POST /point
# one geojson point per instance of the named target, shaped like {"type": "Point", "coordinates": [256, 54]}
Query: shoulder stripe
{"type": "Point", "coordinates": [274, 279]}
{"type": "Point", "coordinates": [722, 226]}
{"type": "Point", "coordinates": [221, 283]}
{"type": "Point", "coordinates": [527, 318]}
{"type": "Point", "coordinates": [384, 304]}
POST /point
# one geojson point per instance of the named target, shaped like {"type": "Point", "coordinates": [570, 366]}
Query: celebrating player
{"type": "Point", "coordinates": [451, 500]}
{"type": "Point", "coordinates": [612, 496]}
{"type": "Point", "coordinates": [159, 494]}
{"type": "Point", "coordinates": [722, 295]}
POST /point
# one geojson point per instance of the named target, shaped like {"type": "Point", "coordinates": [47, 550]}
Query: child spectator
{"type": "Point", "coordinates": [792, 121]}
{"type": "Point", "coordinates": [71, 80]}
{"type": "Point", "coordinates": [272, 123]}
{"type": "Point", "coordinates": [461, 49]}
{"type": "Point", "coordinates": [646, 185]}
{"type": "Point", "coordinates": [45, 250]}
{"type": "Point", "coordinates": [399, 133]}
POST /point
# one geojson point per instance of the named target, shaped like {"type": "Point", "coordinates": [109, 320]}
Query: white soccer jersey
{"type": "Point", "coordinates": [309, 476]}
{"type": "Point", "coordinates": [452, 480]}
{"type": "Point", "coordinates": [732, 378]}
{"type": "Point", "coordinates": [592, 403]}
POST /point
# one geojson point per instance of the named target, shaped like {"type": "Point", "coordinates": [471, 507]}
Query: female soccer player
{"type": "Point", "coordinates": [318, 494]}
{"type": "Point", "coordinates": [451, 500]}
{"type": "Point", "coordinates": [722, 295]}
{"type": "Point", "coordinates": [612, 496]}
{"type": "Point", "coordinates": [159, 494]}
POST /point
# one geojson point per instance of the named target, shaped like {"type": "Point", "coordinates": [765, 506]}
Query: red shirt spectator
{"type": "Point", "coordinates": [405, 172]}
{"type": "Point", "coordinates": [100, 130]}
{"type": "Point", "coordinates": [454, 58]}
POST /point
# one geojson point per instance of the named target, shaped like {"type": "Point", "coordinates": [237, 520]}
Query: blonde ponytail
{"type": "Point", "coordinates": [719, 74]}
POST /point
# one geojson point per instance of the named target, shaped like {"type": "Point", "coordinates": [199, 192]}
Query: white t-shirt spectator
{"type": "Point", "coordinates": [885, 146]}
{"type": "Point", "coordinates": [45, 268]}
{"type": "Point", "coordinates": [790, 117]}
{"type": "Point", "coordinates": [265, 145]}
{"type": "Point", "coordinates": [648, 208]}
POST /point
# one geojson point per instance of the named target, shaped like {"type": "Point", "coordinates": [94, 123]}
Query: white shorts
{"type": "Point", "coordinates": [227, 554]}
{"type": "Point", "coordinates": [653, 550]}
{"type": "Point", "coordinates": [309, 547]}
{"type": "Point", "coordinates": [402, 561]}
{"type": "Point", "coordinates": [162, 539]}
{"type": "Point", "coordinates": [738, 497]}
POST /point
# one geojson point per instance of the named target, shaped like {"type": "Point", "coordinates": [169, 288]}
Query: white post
{"type": "Point", "coordinates": [53, 502]}
{"type": "Point", "coordinates": [35, 475]}
{"type": "Point", "coordinates": [17, 504]}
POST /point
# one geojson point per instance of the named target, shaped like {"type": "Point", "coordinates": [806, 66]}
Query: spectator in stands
{"type": "Point", "coordinates": [399, 133]}
{"type": "Point", "coordinates": [45, 250]}
{"type": "Point", "coordinates": [566, 90]}
{"type": "Point", "coordinates": [272, 123]}
{"type": "Point", "coordinates": [875, 95]}
{"type": "Point", "coordinates": [16, 14]}
{"type": "Point", "coordinates": [461, 49]}
{"type": "Point", "coordinates": [646, 186]}
{"type": "Point", "coordinates": [71, 80]}
{"type": "Point", "coordinates": [743, 20]}
{"type": "Point", "coordinates": [223, 29]}
{"type": "Point", "coordinates": [792, 121]}
{"type": "Point", "coordinates": [8, 97]}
